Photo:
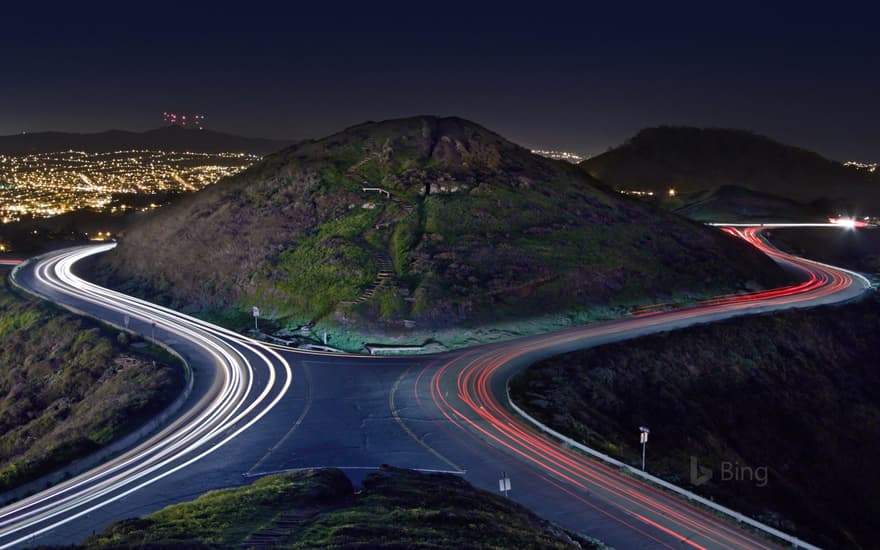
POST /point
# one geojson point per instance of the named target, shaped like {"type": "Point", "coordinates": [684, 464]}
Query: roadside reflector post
{"type": "Point", "coordinates": [643, 439]}
{"type": "Point", "coordinates": [256, 312]}
{"type": "Point", "coordinates": [504, 484]}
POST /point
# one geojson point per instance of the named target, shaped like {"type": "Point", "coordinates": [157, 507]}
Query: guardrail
{"type": "Point", "coordinates": [796, 542]}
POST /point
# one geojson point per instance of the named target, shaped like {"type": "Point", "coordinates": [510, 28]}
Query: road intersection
{"type": "Point", "coordinates": [257, 408]}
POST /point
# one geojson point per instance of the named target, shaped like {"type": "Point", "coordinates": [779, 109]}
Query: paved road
{"type": "Point", "coordinates": [257, 408]}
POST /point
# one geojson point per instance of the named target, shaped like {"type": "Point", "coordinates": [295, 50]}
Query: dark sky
{"type": "Point", "coordinates": [577, 76]}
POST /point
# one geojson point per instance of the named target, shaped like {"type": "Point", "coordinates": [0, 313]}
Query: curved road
{"type": "Point", "coordinates": [257, 408]}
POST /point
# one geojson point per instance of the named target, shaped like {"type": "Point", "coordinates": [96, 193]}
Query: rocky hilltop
{"type": "Point", "coordinates": [421, 223]}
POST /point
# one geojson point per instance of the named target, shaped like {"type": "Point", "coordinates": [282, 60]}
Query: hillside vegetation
{"type": "Point", "coordinates": [473, 229]}
{"type": "Point", "coordinates": [794, 392]}
{"type": "Point", "coordinates": [319, 509]}
{"type": "Point", "coordinates": [701, 159]}
{"type": "Point", "coordinates": [730, 203]}
{"type": "Point", "coordinates": [67, 388]}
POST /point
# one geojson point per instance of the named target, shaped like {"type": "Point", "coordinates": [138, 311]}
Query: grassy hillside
{"type": "Point", "coordinates": [67, 388]}
{"type": "Point", "coordinates": [319, 509]}
{"type": "Point", "coordinates": [701, 159]}
{"type": "Point", "coordinates": [476, 229]}
{"type": "Point", "coordinates": [795, 392]}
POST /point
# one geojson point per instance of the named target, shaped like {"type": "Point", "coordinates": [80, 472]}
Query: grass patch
{"type": "Point", "coordinates": [69, 386]}
{"type": "Point", "coordinates": [227, 517]}
{"type": "Point", "coordinates": [396, 509]}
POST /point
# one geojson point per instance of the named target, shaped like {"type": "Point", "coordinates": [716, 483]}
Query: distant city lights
{"type": "Point", "coordinates": [869, 167]}
{"type": "Point", "coordinates": [636, 192]}
{"type": "Point", "coordinates": [48, 184]}
{"type": "Point", "coordinates": [558, 155]}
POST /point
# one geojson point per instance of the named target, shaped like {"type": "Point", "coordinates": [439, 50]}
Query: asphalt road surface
{"type": "Point", "coordinates": [256, 409]}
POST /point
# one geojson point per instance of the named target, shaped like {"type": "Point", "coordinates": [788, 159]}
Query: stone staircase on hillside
{"type": "Point", "coordinates": [385, 275]}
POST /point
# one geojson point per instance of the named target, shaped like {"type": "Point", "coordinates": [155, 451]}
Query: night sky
{"type": "Point", "coordinates": [574, 76]}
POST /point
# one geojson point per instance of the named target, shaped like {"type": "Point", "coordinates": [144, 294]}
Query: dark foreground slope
{"type": "Point", "coordinates": [476, 229]}
{"type": "Point", "coordinates": [698, 159]}
{"type": "Point", "coordinates": [67, 388]}
{"type": "Point", "coordinates": [319, 509]}
{"type": "Point", "coordinates": [794, 393]}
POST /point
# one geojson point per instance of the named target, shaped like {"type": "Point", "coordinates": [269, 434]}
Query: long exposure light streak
{"type": "Point", "coordinates": [479, 379]}
{"type": "Point", "coordinates": [233, 405]}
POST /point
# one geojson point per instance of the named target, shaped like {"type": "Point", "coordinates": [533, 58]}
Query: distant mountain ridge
{"type": "Point", "coordinates": [169, 138]}
{"type": "Point", "coordinates": [698, 159]}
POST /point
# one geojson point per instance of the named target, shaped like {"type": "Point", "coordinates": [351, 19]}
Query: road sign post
{"type": "Point", "coordinates": [504, 484]}
{"type": "Point", "coordinates": [256, 312]}
{"type": "Point", "coordinates": [643, 439]}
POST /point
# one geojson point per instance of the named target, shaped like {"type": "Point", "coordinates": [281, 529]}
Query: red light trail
{"type": "Point", "coordinates": [477, 381]}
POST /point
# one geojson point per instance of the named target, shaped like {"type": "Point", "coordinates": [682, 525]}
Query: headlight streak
{"type": "Point", "coordinates": [212, 416]}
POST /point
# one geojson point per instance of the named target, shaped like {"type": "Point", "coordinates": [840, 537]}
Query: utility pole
{"type": "Point", "coordinates": [643, 439]}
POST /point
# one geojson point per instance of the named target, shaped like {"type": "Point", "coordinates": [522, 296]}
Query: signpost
{"type": "Point", "coordinates": [643, 439]}
{"type": "Point", "coordinates": [504, 484]}
{"type": "Point", "coordinates": [256, 312]}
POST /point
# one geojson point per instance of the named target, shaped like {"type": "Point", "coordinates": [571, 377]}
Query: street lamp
{"type": "Point", "coordinates": [643, 439]}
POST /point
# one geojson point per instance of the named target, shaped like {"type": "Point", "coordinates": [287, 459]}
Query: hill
{"type": "Point", "coordinates": [420, 223]}
{"type": "Point", "coordinates": [700, 159]}
{"type": "Point", "coordinates": [170, 138]}
{"type": "Point", "coordinates": [786, 404]}
{"type": "Point", "coordinates": [320, 509]}
{"type": "Point", "coordinates": [730, 203]}
{"type": "Point", "coordinates": [68, 387]}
